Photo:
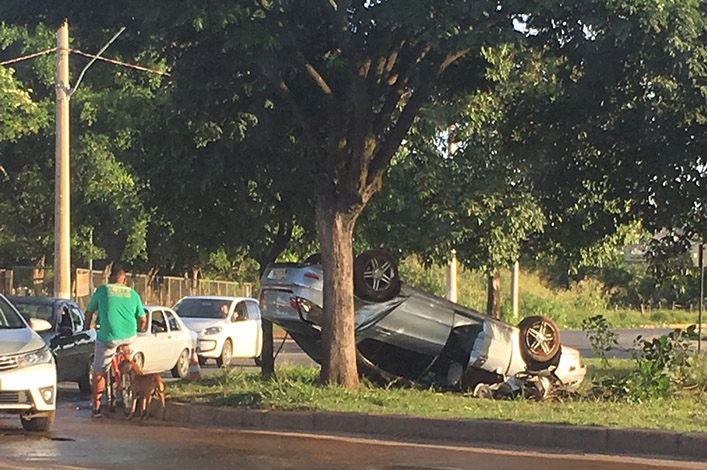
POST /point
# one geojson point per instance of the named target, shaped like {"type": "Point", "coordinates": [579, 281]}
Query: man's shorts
{"type": "Point", "coordinates": [105, 350]}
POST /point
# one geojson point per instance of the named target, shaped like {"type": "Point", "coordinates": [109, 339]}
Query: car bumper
{"type": "Point", "coordinates": [209, 346]}
{"type": "Point", "coordinates": [29, 389]}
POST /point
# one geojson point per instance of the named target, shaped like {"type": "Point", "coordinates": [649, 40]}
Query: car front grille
{"type": "Point", "coordinates": [8, 363]}
{"type": "Point", "coordinates": [13, 398]}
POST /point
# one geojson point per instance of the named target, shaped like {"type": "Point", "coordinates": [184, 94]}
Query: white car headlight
{"type": "Point", "coordinates": [40, 356]}
{"type": "Point", "coordinates": [213, 330]}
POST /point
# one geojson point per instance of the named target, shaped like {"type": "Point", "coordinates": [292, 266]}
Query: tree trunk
{"type": "Point", "coordinates": [493, 303]}
{"type": "Point", "coordinates": [338, 340]}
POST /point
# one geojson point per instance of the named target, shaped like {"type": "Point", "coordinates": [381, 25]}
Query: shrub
{"type": "Point", "coordinates": [601, 336]}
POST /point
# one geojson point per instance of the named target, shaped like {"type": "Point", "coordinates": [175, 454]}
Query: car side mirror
{"type": "Point", "coordinates": [39, 325]}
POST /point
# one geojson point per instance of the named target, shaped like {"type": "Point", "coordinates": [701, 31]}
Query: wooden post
{"type": "Point", "coordinates": [452, 278]}
{"type": "Point", "coordinates": [62, 221]}
{"type": "Point", "coordinates": [515, 278]}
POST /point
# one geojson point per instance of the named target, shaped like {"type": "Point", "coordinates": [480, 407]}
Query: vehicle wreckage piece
{"type": "Point", "coordinates": [405, 333]}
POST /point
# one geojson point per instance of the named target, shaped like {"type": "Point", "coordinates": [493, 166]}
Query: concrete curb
{"type": "Point", "coordinates": [588, 439]}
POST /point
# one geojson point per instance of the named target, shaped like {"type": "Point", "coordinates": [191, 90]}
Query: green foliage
{"type": "Point", "coordinates": [663, 364]}
{"type": "Point", "coordinates": [600, 335]}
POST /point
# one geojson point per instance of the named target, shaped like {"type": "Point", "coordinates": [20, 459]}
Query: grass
{"type": "Point", "coordinates": [568, 307]}
{"type": "Point", "coordinates": [296, 389]}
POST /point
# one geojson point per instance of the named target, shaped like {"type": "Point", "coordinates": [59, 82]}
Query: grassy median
{"type": "Point", "coordinates": [296, 388]}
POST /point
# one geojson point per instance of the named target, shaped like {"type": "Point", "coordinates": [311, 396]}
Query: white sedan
{"type": "Point", "coordinates": [167, 344]}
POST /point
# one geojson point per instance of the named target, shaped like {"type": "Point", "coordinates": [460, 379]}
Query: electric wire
{"type": "Point", "coordinates": [28, 56]}
{"type": "Point", "coordinates": [117, 62]}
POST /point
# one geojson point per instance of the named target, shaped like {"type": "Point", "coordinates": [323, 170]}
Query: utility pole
{"type": "Point", "coordinates": [515, 278]}
{"type": "Point", "coordinates": [62, 220]}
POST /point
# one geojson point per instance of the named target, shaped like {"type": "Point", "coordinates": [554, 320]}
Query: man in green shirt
{"type": "Point", "coordinates": [120, 316]}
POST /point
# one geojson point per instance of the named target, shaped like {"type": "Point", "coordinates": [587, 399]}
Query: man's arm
{"type": "Point", "coordinates": [142, 323]}
{"type": "Point", "coordinates": [89, 319]}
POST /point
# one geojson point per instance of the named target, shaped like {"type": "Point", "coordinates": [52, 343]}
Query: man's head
{"type": "Point", "coordinates": [117, 274]}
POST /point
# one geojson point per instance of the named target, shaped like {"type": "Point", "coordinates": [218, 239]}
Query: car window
{"type": "Point", "coordinates": [158, 324]}
{"type": "Point", "coordinates": [173, 323]}
{"type": "Point", "coordinates": [202, 308]}
{"type": "Point", "coordinates": [9, 319]}
{"type": "Point", "coordinates": [30, 309]}
{"type": "Point", "coordinates": [253, 310]}
{"type": "Point", "coordinates": [64, 318]}
{"type": "Point", "coordinates": [77, 317]}
{"type": "Point", "coordinates": [242, 311]}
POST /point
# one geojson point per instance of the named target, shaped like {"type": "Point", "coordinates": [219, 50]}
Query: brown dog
{"type": "Point", "coordinates": [144, 388]}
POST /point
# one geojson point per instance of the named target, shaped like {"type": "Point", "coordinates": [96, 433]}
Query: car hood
{"type": "Point", "coordinates": [199, 324]}
{"type": "Point", "coordinates": [20, 340]}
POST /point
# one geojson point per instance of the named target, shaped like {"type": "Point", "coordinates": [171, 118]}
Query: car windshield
{"type": "Point", "coordinates": [9, 319]}
{"type": "Point", "coordinates": [202, 308]}
{"type": "Point", "coordinates": [30, 309]}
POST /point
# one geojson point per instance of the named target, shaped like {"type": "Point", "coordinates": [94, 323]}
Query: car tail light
{"type": "Point", "coordinates": [261, 300]}
{"type": "Point", "coordinates": [294, 302]}
{"type": "Point", "coordinates": [311, 276]}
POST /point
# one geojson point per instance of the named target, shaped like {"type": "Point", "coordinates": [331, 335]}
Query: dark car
{"type": "Point", "coordinates": [71, 346]}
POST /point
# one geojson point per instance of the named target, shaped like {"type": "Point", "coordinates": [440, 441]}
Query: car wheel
{"type": "Point", "coordinates": [85, 381]}
{"type": "Point", "coordinates": [39, 424]}
{"type": "Point", "coordinates": [539, 340]}
{"type": "Point", "coordinates": [224, 360]}
{"type": "Point", "coordinates": [139, 359]}
{"type": "Point", "coordinates": [181, 368]}
{"type": "Point", "coordinates": [376, 276]}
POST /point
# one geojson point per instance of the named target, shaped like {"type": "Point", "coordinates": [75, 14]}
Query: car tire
{"type": "Point", "coordinates": [181, 368]}
{"type": "Point", "coordinates": [224, 360]}
{"type": "Point", "coordinates": [39, 424]}
{"type": "Point", "coordinates": [85, 380]}
{"type": "Point", "coordinates": [539, 341]}
{"type": "Point", "coordinates": [376, 276]}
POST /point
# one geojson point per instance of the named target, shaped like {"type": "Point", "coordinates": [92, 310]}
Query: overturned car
{"type": "Point", "coordinates": [406, 333]}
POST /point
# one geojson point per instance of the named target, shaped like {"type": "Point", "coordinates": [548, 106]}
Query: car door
{"type": "Point", "coordinates": [156, 345]}
{"type": "Point", "coordinates": [64, 344]}
{"type": "Point", "coordinates": [178, 339]}
{"type": "Point", "coordinates": [84, 340]}
{"type": "Point", "coordinates": [244, 333]}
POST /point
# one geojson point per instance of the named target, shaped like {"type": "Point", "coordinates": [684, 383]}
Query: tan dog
{"type": "Point", "coordinates": [144, 388]}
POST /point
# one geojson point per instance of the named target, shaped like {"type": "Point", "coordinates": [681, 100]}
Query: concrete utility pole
{"type": "Point", "coordinates": [515, 278]}
{"type": "Point", "coordinates": [62, 220]}
{"type": "Point", "coordinates": [452, 278]}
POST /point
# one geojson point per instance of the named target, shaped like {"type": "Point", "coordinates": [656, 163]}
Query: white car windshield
{"type": "Point", "coordinates": [9, 319]}
{"type": "Point", "coordinates": [202, 308]}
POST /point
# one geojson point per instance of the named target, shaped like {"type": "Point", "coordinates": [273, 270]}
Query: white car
{"type": "Point", "coordinates": [167, 343]}
{"type": "Point", "coordinates": [228, 327]}
{"type": "Point", "coordinates": [27, 370]}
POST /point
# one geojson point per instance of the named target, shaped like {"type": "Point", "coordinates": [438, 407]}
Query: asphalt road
{"type": "Point", "coordinates": [80, 443]}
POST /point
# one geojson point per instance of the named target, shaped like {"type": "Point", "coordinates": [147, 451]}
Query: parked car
{"type": "Point", "coordinates": [166, 344]}
{"type": "Point", "coordinates": [27, 370]}
{"type": "Point", "coordinates": [404, 332]}
{"type": "Point", "coordinates": [228, 327]}
{"type": "Point", "coordinates": [71, 346]}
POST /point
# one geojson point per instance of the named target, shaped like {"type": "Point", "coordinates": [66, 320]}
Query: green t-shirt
{"type": "Point", "coordinates": [119, 307]}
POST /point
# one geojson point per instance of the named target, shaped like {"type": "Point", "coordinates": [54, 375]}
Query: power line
{"type": "Point", "coordinates": [103, 49]}
{"type": "Point", "coordinates": [28, 56]}
{"type": "Point", "coordinates": [118, 62]}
